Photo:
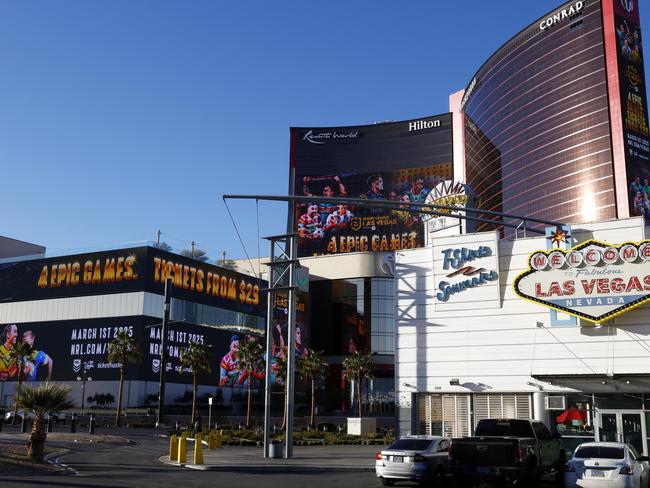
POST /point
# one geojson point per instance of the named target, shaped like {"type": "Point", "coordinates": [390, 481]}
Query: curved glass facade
{"type": "Point", "coordinates": [537, 130]}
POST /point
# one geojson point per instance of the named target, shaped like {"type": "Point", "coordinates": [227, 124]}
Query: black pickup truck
{"type": "Point", "coordinates": [513, 450]}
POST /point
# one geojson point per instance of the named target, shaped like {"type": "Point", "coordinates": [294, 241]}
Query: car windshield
{"type": "Point", "coordinates": [411, 444]}
{"type": "Point", "coordinates": [504, 428]}
{"type": "Point", "coordinates": [601, 452]}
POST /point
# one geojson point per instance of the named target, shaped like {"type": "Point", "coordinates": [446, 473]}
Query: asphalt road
{"type": "Point", "coordinates": [136, 465]}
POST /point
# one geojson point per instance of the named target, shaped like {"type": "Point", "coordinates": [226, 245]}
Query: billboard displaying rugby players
{"type": "Point", "coordinates": [397, 161]}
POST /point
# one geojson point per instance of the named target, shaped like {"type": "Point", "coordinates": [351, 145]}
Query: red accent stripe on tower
{"type": "Point", "coordinates": [615, 109]}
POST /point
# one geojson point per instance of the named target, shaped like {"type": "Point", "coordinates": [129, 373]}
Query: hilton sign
{"type": "Point", "coordinates": [594, 280]}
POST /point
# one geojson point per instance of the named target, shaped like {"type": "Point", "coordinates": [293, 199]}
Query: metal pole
{"type": "Point", "coordinates": [290, 243]}
{"type": "Point", "coordinates": [269, 355]}
{"type": "Point", "coordinates": [291, 350]}
{"type": "Point", "coordinates": [210, 415]}
{"type": "Point", "coordinates": [163, 352]}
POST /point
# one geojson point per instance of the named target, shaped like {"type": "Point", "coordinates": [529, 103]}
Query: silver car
{"type": "Point", "coordinates": [419, 458]}
{"type": "Point", "coordinates": [606, 465]}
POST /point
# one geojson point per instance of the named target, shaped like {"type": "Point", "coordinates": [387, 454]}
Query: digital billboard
{"type": "Point", "coordinates": [63, 349]}
{"type": "Point", "coordinates": [129, 270]}
{"type": "Point", "coordinates": [634, 105]}
{"type": "Point", "coordinates": [397, 161]}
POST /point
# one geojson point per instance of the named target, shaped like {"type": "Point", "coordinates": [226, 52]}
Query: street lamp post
{"type": "Point", "coordinates": [163, 353]}
{"type": "Point", "coordinates": [83, 378]}
{"type": "Point", "coordinates": [209, 413]}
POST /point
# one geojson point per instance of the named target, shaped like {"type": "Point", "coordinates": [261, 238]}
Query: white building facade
{"type": "Point", "coordinates": [481, 351]}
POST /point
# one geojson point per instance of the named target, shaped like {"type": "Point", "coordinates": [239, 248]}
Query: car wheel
{"type": "Point", "coordinates": [532, 478]}
{"type": "Point", "coordinates": [559, 471]}
{"type": "Point", "coordinates": [386, 482]}
{"type": "Point", "coordinates": [462, 482]}
{"type": "Point", "coordinates": [439, 477]}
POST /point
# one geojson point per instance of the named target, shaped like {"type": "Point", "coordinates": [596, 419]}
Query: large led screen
{"type": "Point", "coordinates": [397, 161]}
{"type": "Point", "coordinates": [63, 349]}
{"type": "Point", "coordinates": [634, 104]}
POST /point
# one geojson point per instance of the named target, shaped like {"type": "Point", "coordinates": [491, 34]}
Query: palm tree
{"type": "Point", "coordinates": [20, 352]}
{"type": "Point", "coordinates": [46, 398]}
{"type": "Point", "coordinates": [250, 360]}
{"type": "Point", "coordinates": [312, 366]}
{"type": "Point", "coordinates": [163, 246]}
{"type": "Point", "coordinates": [123, 349]}
{"type": "Point", "coordinates": [196, 253]}
{"type": "Point", "coordinates": [358, 367]}
{"type": "Point", "coordinates": [197, 358]}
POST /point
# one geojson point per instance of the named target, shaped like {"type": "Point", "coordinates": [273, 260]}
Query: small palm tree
{"type": "Point", "coordinates": [358, 367]}
{"type": "Point", "coordinates": [197, 358]}
{"type": "Point", "coordinates": [46, 398]}
{"type": "Point", "coordinates": [313, 367]}
{"type": "Point", "coordinates": [17, 356]}
{"type": "Point", "coordinates": [250, 357]}
{"type": "Point", "coordinates": [123, 349]}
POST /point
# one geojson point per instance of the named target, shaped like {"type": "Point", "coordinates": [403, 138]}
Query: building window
{"type": "Point", "coordinates": [353, 315]}
{"type": "Point", "coordinates": [501, 405]}
{"type": "Point", "coordinates": [198, 313]}
{"type": "Point", "coordinates": [443, 414]}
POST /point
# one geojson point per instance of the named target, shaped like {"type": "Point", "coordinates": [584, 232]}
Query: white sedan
{"type": "Point", "coordinates": [419, 458]}
{"type": "Point", "coordinates": [606, 465]}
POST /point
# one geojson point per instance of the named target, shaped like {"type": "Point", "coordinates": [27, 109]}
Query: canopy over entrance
{"type": "Point", "coordinates": [598, 383]}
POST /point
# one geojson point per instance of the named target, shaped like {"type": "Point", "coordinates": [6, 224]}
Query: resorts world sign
{"type": "Point", "coordinates": [595, 280]}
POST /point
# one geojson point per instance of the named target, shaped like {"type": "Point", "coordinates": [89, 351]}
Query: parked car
{"type": "Point", "coordinates": [606, 465]}
{"type": "Point", "coordinates": [326, 427]}
{"type": "Point", "coordinates": [514, 450]}
{"type": "Point", "coordinates": [8, 417]}
{"type": "Point", "coordinates": [414, 458]}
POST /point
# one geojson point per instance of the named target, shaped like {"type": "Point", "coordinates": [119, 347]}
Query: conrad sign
{"type": "Point", "coordinates": [594, 281]}
{"type": "Point", "coordinates": [561, 15]}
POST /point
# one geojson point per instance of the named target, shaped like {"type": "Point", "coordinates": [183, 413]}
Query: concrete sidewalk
{"type": "Point", "coordinates": [305, 459]}
{"type": "Point", "coordinates": [79, 437]}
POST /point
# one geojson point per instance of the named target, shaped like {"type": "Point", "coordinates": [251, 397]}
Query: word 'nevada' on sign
{"type": "Point", "coordinates": [594, 280]}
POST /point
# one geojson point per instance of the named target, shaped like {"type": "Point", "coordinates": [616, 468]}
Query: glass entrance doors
{"type": "Point", "coordinates": [622, 426]}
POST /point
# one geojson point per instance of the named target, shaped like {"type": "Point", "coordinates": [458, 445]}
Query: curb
{"type": "Point", "coordinates": [53, 458]}
{"type": "Point", "coordinates": [267, 467]}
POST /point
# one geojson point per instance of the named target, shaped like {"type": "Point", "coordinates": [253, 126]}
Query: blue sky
{"type": "Point", "coordinates": [120, 118]}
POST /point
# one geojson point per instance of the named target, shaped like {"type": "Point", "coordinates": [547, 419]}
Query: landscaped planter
{"type": "Point", "coordinates": [360, 426]}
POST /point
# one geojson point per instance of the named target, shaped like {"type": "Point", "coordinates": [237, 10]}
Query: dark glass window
{"type": "Point", "coordinates": [599, 452]}
{"type": "Point", "coordinates": [537, 133]}
{"type": "Point", "coordinates": [411, 444]}
{"type": "Point", "coordinates": [504, 428]}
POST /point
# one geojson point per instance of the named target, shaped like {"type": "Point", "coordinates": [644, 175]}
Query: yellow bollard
{"type": "Point", "coordinates": [219, 435]}
{"type": "Point", "coordinates": [198, 449]}
{"type": "Point", "coordinates": [212, 441]}
{"type": "Point", "coordinates": [173, 448]}
{"type": "Point", "coordinates": [182, 450]}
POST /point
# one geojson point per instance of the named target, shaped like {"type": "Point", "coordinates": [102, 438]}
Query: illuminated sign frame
{"type": "Point", "coordinates": [610, 255]}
